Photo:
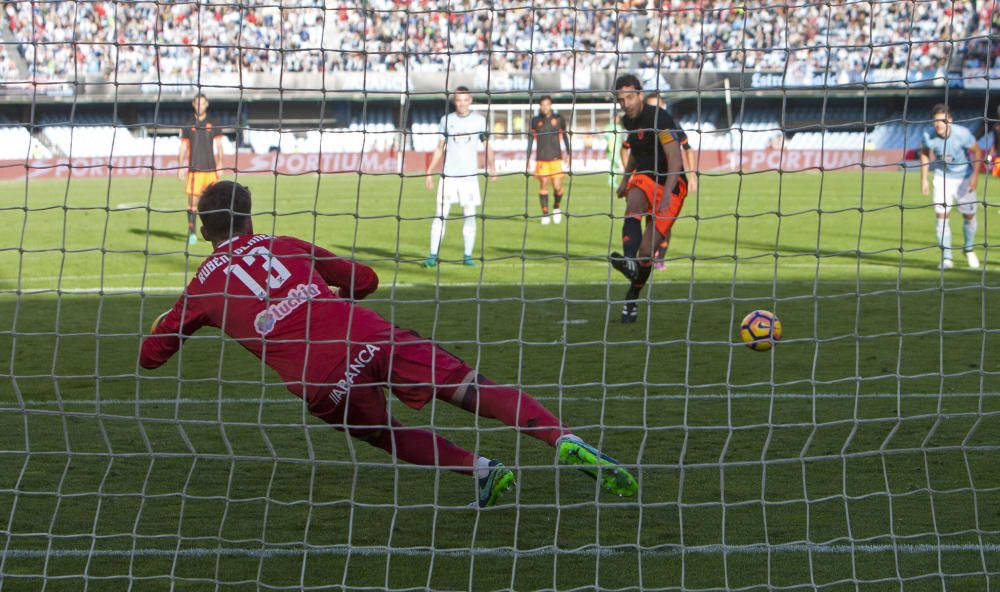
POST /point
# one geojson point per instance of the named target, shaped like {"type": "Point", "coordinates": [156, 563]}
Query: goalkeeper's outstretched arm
{"type": "Point", "coordinates": [168, 332]}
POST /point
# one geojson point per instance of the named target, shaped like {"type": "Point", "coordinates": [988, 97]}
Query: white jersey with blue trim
{"type": "Point", "coordinates": [463, 138]}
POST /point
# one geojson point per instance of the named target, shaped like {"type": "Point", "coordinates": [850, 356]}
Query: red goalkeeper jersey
{"type": "Point", "coordinates": [273, 295]}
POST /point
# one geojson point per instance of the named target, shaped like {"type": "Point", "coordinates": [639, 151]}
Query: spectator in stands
{"type": "Point", "coordinates": [838, 42]}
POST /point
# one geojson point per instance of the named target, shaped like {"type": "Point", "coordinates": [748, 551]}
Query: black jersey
{"type": "Point", "coordinates": [200, 136]}
{"type": "Point", "coordinates": [647, 132]}
{"type": "Point", "coordinates": [548, 130]}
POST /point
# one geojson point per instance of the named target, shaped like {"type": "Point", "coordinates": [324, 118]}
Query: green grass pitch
{"type": "Point", "coordinates": [860, 454]}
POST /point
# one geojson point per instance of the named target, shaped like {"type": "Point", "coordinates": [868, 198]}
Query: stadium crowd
{"type": "Point", "coordinates": [59, 40]}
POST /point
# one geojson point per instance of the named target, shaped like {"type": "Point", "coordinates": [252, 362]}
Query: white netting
{"type": "Point", "coordinates": [859, 454]}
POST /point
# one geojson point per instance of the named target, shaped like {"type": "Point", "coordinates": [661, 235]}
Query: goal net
{"type": "Point", "coordinates": [859, 453]}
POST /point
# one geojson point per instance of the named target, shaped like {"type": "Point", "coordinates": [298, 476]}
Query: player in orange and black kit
{"type": "Point", "coordinates": [690, 168]}
{"type": "Point", "coordinates": [654, 186]}
{"type": "Point", "coordinates": [549, 128]}
{"type": "Point", "coordinates": [201, 153]}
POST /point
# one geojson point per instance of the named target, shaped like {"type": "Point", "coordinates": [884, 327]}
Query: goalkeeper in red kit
{"type": "Point", "coordinates": [293, 304]}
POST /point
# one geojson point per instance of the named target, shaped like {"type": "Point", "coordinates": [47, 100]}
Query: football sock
{"type": "Point", "coordinates": [437, 235]}
{"type": "Point", "coordinates": [192, 217]}
{"type": "Point", "coordinates": [483, 467]}
{"type": "Point", "coordinates": [631, 236]}
{"type": "Point", "coordinates": [513, 407]}
{"type": "Point", "coordinates": [969, 230]}
{"type": "Point", "coordinates": [421, 447]}
{"type": "Point", "coordinates": [642, 276]}
{"type": "Point", "coordinates": [558, 200]}
{"type": "Point", "coordinates": [944, 237]}
{"type": "Point", "coordinates": [469, 234]}
{"type": "Point", "coordinates": [543, 200]}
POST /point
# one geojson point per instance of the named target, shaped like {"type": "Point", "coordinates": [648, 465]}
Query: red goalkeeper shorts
{"type": "Point", "coordinates": [412, 367]}
{"type": "Point", "coordinates": [654, 195]}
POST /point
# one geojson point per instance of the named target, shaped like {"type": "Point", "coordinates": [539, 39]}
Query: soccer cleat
{"type": "Point", "coordinates": [468, 261]}
{"type": "Point", "coordinates": [946, 264]}
{"type": "Point", "coordinates": [192, 239]}
{"type": "Point", "coordinates": [545, 219]}
{"type": "Point", "coordinates": [626, 265]}
{"type": "Point", "coordinates": [557, 216]}
{"type": "Point", "coordinates": [972, 259]}
{"type": "Point", "coordinates": [614, 478]}
{"type": "Point", "coordinates": [499, 481]}
{"type": "Point", "coordinates": [430, 262]}
{"type": "Point", "coordinates": [630, 312]}
{"type": "Point", "coordinates": [660, 265]}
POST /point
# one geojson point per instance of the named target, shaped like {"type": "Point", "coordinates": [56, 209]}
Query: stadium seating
{"type": "Point", "coordinates": [855, 40]}
{"type": "Point", "coordinates": [16, 143]}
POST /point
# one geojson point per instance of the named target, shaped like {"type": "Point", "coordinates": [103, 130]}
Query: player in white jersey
{"type": "Point", "coordinates": [462, 132]}
{"type": "Point", "coordinates": [956, 175]}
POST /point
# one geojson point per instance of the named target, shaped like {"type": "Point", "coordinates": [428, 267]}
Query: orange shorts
{"type": "Point", "coordinates": [548, 168]}
{"type": "Point", "coordinates": [654, 195]}
{"type": "Point", "coordinates": [996, 166]}
{"type": "Point", "coordinates": [198, 181]}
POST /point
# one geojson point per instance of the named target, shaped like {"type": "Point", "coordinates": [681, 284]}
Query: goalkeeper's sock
{"type": "Point", "coordinates": [421, 447]}
{"type": "Point", "coordinates": [558, 200]}
{"type": "Point", "coordinates": [543, 200]}
{"type": "Point", "coordinates": [631, 236]}
{"type": "Point", "coordinates": [482, 467]}
{"type": "Point", "coordinates": [192, 218]}
{"type": "Point", "coordinates": [513, 407]}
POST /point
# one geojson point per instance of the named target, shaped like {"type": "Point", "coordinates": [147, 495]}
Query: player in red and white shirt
{"type": "Point", "coordinates": [275, 296]}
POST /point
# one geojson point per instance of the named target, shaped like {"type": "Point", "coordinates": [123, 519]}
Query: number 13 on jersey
{"type": "Point", "coordinates": [277, 273]}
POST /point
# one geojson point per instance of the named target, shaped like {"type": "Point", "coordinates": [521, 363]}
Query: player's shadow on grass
{"type": "Point", "coordinates": [892, 258]}
{"type": "Point", "coordinates": [158, 233]}
{"type": "Point", "coordinates": [376, 255]}
{"type": "Point", "coordinates": [537, 253]}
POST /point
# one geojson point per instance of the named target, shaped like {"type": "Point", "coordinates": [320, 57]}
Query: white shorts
{"type": "Point", "coordinates": [946, 196]}
{"type": "Point", "coordinates": [458, 190]}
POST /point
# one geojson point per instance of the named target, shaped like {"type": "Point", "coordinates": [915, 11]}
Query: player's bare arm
{"type": "Point", "coordinates": [925, 167]}
{"type": "Point", "coordinates": [435, 162]}
{"type": "Point", "coordinates": [976, 161]}
{"type": "Point", "coordinates": [531, 142]}
{"type": "Point", "coordinates": [629, 167]}
{"type": "Point", "coordinates": [568, 154]}
{"type": "Point", "coordinates": [217, 149]}
{"type": "Point", "coordinates": [691, 168]}
{"type": "Point", "coordinates": [675, 165]}
{"type": "Point", "coordinates": [182, 160]}
{"type": "Point", "coordinates": [491, 165]}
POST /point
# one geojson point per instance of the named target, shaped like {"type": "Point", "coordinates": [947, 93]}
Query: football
{"type": "Point", "coordinates": [760, 330]}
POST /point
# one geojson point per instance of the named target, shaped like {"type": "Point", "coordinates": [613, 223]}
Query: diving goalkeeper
{"type": "Point", "coordinates": [275, 296]}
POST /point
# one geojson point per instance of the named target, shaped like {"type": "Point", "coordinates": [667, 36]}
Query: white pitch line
{"type": "Point", "coordinates": [290, 400]}
{"type": "Point", "coordinates": [682, 265]}
{"type": "Point", "coordinates": [590, 551]}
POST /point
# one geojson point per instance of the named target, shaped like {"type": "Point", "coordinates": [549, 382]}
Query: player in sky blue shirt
{"type": "Point", "coordinates": [952, 152]}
